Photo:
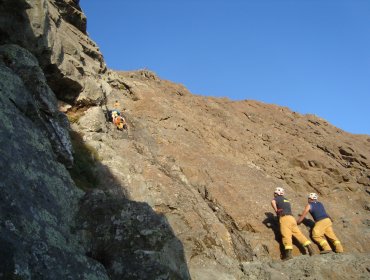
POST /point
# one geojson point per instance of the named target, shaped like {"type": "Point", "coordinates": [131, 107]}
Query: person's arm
{"type": "Point", "coordinates": [304, 213]}
{"type": "Point", "coordinates": [273, 204]}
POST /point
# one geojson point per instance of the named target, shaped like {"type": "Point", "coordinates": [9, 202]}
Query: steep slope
{"type": "Point", "coordinates": [184, 193]}
{"type": "Point", "coordinates": [211, 165]}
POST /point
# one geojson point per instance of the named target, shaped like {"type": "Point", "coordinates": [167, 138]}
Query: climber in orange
{"type": "Point", "coordinates": [116, 118]}
{"type": "Point", "coordinates": [323, 225]}
{"type": "Point", "coordinates": [120, 122]}
{"type": "Point", "coordinates": [288, 224]}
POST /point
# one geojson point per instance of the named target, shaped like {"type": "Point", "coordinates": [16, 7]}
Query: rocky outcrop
{"type": "Point", "coordinates": [25, 87]}
{"type": "Point", "coordinates": [46, 231]}
{"type": "Point", "coordinates": [55, 32]}
{"type": "Point", "coordinates": [184, 193]}
{"type": "Point", "coordinates": [38, 198]}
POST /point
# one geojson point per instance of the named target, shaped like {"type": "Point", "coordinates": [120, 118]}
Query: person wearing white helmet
{"type": "Point", "coordinates": [288, 224]}
{"type": "Point", "coordinates": [323, 225]}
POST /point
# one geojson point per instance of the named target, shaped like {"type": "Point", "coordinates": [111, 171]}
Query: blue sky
{"type": "Point", "coordinates": [312, 56]}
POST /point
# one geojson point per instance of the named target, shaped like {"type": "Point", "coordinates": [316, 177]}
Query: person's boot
{"type": "Point", "coordinates": [326, 252]}
{"type": "Point", "coordinates": [310, 250]}
{"type": "Point", "coordinates": [338, 247]}
{"type": "Point", "coordinates": [288, 254]}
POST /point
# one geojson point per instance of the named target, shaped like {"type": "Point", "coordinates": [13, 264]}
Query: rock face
{"type": "Point", "coordinates": [183, 194]}
{"type": "Point", "coordinates": [38, 197]}
{"type": "Point", "coordinates": [55, 32]}
{"type": "Point", "coordinates": [210, 166]}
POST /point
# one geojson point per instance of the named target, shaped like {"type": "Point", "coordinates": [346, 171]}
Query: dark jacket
{"type": "Point", "coordinates": [283, 206]}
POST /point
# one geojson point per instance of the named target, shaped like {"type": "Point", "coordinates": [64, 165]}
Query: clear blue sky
{"type": "Point", "coordinates": [312, 56]}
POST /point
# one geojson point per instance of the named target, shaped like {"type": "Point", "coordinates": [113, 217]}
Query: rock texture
{"type": "Point", "coordinates": [183, 194]}
{"type": "Point", "coordinates": [210, 166]}
{"type": "Point", "coordinates": [38, 198]}
{"type": "Point", "coordinates": [55, 32]}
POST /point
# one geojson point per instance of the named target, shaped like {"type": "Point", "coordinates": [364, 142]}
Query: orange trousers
{"type": "Point", "coordinates": [322, 229]}
{"type": "Point", "coordinates": [289, 228]}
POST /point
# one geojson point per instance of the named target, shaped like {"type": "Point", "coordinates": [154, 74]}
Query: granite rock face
{"type": "Point", "coordinates": [25, 86]}
{"type": "Point", "coordinates": [38, 198]}
{"type": "Point", "coordinates": [129, 238]}
{"type": "Point", "coordinates": [210, 166]}
{"type": "Point", "coordinates": [55, 32]}
{"type": "Point", "coordinates": [184, 193]}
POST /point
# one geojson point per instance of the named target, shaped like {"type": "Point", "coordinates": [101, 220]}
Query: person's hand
{"type": "Point", "coordinates": [299, 217]}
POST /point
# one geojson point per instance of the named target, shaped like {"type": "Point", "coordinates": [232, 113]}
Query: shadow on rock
{"type": "Point", "coordinates": [130, 239]}
{"type": "Point", "coordinates": [39, 198]}
{"type": "Point", "coordinates": [272, 222]}
{"type": "Point", "coordinates": [309, 224]}
{"type": "Point", "coordinates": [127, 237]}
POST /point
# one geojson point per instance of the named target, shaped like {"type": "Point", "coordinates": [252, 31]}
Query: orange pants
{"type": "Point", "coordinates": [324, 228]}
{"type": "Point", "coordinates": [289, 228]}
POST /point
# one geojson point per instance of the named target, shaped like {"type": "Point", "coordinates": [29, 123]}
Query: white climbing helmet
{"type": "Point", "coordinates": [313, 196]}
{"type": "Point", "coordinates": [279, 191]}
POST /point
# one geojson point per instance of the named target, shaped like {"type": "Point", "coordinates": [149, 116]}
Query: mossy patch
{"type": "Point", "coordinates": [75, 114]}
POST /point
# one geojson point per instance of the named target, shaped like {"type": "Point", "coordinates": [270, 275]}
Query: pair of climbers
{"type": "Point", "coordinates": [116, 118]}
{"type": "Point", "coordinates": [289, 225]}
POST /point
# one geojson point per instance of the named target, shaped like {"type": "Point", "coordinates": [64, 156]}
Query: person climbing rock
{"type": "Point", "coordinates": [120, 122]}
{"type": "Point", "coordinates": [115, 117]}
{"type": "Point", "coordinates": [288, 224]}
{"type": "Point", "coordinates": [323, 225]}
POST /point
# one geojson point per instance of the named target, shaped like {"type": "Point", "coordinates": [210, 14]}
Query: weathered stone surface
{"type": "Point", "coordinates": [130, 239]}
{"type": "Point", "coordinates": [94, 120]}
{"type": "Point", "coordinates": [54, 31]}
{"type": "Point", "coordinates": [364, 180]}
{"type": "Point", "coordinates": [93, 92]}
{"type": "Point", "coordinates": [211, 165]}
{"type": "Point", "coordinates": [331, 266]}
{"type": "Point", "coordinates": [39, 104]}
{"type": "Point", "coordinates": [71, 12]}
{"type": "Point", "coordinates": [38, 199]}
